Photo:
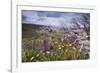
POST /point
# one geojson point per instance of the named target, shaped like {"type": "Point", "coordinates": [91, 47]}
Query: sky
{"type": "Point", "coordinates": [49, 18]}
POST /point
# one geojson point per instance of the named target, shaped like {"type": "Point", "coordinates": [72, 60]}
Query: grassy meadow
{"type": "Point", "coordinates": [44, 43]}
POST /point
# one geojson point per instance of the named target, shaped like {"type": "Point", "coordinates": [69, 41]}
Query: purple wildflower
{"type": "Point", "coordinates": [45, 45]}
{"type": "Point", "coordinates": [73, 38]}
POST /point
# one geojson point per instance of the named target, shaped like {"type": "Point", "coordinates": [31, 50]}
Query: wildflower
{"type": "Point", "coordinates": [73, 38]}
{"type": "Point", "coordinates": [74, 48]}
{"type": "Point", "coordinates": [45, 45]}
{"type": "Point", "coordinates": [59, 48]}
{"type": "Point", "coordinates": [70, 45]}
{"type": "Point", "coordinates": [37, 55]}
{"type": "Point", "coordinates": [47, 52]}
{"type": "Point", "coordinates": [32, 58]}
{"type": "Point", "coordinates": [66, 50]}
{"type": "Point", "coordinates": [62, 46]}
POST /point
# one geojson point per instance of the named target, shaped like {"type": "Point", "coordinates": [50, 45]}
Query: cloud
{"type": "Point", "coordinates": [48, 18]}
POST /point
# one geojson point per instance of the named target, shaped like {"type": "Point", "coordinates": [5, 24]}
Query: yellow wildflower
{"type": "Point", "coordinates": [32, 58]}
{"type": "Point", "coordinates": [70, 45]}
{"type": "Point", "coordinates": [74, 48]}
{"type": "Point", "coordinates": [37, 55]}
{"type": "Point", "coordinates": [59, 48]}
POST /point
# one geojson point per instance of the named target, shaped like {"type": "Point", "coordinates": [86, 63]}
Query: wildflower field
{"type": "Point", "coordinates": [40, 44]}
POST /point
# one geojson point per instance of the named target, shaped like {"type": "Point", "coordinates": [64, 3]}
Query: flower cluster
{"type": "Point", "coordinates": [52, 46]}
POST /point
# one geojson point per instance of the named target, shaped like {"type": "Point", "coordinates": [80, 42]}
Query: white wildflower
{"type": "Point", "coordinates": [48, 52]}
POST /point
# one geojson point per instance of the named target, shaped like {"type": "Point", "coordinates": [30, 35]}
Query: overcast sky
{"type": "Point", "coordinates": [49, 18]}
